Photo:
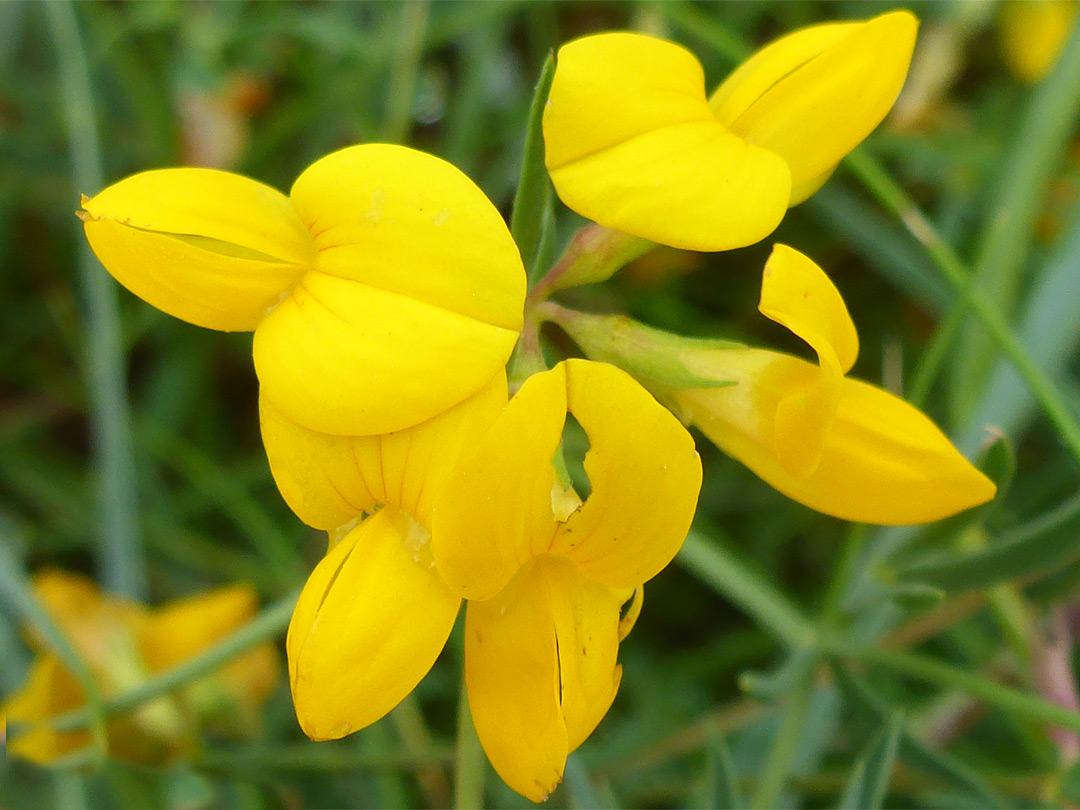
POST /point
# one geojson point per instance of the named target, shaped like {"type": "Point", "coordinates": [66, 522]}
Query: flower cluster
{"type": "Point", "coordinates": [386, 295]}
{"type": "Point", "coordinates": [124, 643]}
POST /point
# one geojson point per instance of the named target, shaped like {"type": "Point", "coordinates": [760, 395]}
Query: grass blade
{"type": "Point", "coordinates": [869, 780]}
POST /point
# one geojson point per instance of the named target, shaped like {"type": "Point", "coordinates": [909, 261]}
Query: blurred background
{"type": "Point", "coordinates": [983, 139]}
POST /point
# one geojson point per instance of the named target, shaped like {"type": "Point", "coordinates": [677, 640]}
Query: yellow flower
{"type": "Point", "coordinates": [383, 290]}
{"type": "Point", "coordinates": [633, 143]}
{"type": "Point", "coordinates": [838, 445]}
{"type": "Point", "coordinates": [124, 643]}
{"type": "Point", "coordinates": [545, 574]}
{"type": "Point", "coordinates": [1033, 34]}
{"type": "Point", "coordinates": [374, 614]}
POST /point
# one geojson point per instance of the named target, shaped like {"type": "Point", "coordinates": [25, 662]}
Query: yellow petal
{"type": "Point", "coordinates": [416, 303]}
{"type": "Point", "coordinates": [631, 143]}
{"type": "Point", "coordinates": [609, 88]}
{"type": "Point", "coordinates": [1033, 33]}
{"type": "Point", "coordinates": [342, 357]}
{"type": "Point", "coordinates": [814, 95]}
{"type": "Point", "coordinates": [369, 624]}
{"type": "Point", "coordinates": [540, 666]}
{"type": "Point", "coordinates": [406, 222]}
{"type": "Point", "coordinates": [494, 511]}
{"type": "Point", "coordinates": [797, 294]}
{"type": "Point", "coordinates": [209, 247]}
{"type": "Point", "coordinates": [49, 690]}
{"type": "Point", "coordinates": [644, 473]}
{"type": "Point", "coordinates": [186, 627]}
{"type": "Point", "coordinates": [329, 480]}
{"type": "Point", "coordinates": [882, 460]}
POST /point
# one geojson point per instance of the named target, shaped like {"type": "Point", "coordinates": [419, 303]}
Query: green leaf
{"type": "Point", "coordinates": [912, 750]}
{"type": "Point", "coordinates": [721, 779]}
{"type": "Point", "coordinates": [534, 189]}
{"type": "Point", "coordinates": [1042, 546]}
{"type": "Point", "coordinates": [869, 781]}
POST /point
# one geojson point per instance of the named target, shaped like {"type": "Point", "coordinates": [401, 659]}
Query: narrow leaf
{"type": "Point", "coordinates": [869, 780]}
{"type": "Point", "coordinates": [722, 780]}
{"type": "Point", "coordinates": [534, 188]}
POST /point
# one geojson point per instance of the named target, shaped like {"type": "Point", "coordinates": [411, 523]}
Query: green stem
{"type": "Point", "coordinates": [893, 197]}
{"type": "Point", "coordinates": [778, 767]}
{"type": "Point", "coordinates": [468, 759]}
{"type": "Point", "coordinates": [406, 64]}
{"type": "Point", "coordinates": [933, 357]}
{"type": "Point", "coordinates": [734, 580]}
{"type": "Point", "coordinates": [122, 561]}
{"type": "Point", "coordinates": [924, 668]}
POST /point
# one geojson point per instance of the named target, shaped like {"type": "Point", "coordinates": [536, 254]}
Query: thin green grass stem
{"type": "Point", "coordinates": [469, 764]}
{"type": "Point", "coordinates": [874, 177]}
{"type": "Point", "coordinates": [920, 667]}
{"type": "Point", "coordinates": [121, 557]}
{"type": "Point", "coordinates": [734, 580]}
{"type": "Point", "coordinates": [404, 69]}
{"type": "Point", "coordinates": [779, 765]}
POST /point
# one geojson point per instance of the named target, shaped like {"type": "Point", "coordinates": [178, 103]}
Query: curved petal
{"type": "Point", "coordinates": [644, 473]}
{"type": "Point", "coordinates": [540, 665]}
{"type": "Point", "coordinates": [209, 247]}
{"type": "Point", "coordinates": [184, 628]}
{"type": "Point", "coordinates": [882, 461]}
{"type": "Point", "coordinates": [329, 480]}
{"type": "Point", "coordinates": [818, 107]}
{"type": "Point", "coordinates": [693, 186]}
{"type": "Point", "coordinates": [342, 357]}
{"type": "Point", "coordinates": [609, 88]}
{"type": "Point", "coordinates": [49, 690]}
{"type": "Point", "coordinates": [796, 293]}
{"type": "Point", "coordinates": [495, 510]}
{"type": "Point", "coordinates": [405, 222]}
{"type": "Point", "coordinates": [369, 624]}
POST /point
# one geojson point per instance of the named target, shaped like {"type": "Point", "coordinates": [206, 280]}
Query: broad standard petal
{"type": "Point", "coordinates": [540, 668]}
{"type": "Point", "coordinates": [882, 460]}
{"type": "Point", "coordinates": [212, 248]}
{"type": "Point", "coordinates": [644, 473]}
{"type": "Point", "coordinates": [370, 622]}
{"type": "Point", "coordinates": [814, 95]}
{"type": "Point", "coordinates": [494, 511]}
{"type": "Point", "coordinates": [631, 144]}
{"type": "Point", "coordinates": [416, 303]}
{"type": "Point", "coordinates": [330, 480]}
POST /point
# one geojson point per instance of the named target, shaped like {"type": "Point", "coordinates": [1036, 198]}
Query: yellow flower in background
{"type": "Point", "coordinates": [838, 445]}
{"type": "Point", "coordinates": [546, 575]}
{"type": "Point", "coordinates": [383, 290]}
{"type": "Point", "coordinates": [1033, 33]}
{"type": "Point", "coordinates": [634, 144]}
{"type": "Point", "coordinates": [123, 644]}
{"type": "Point", "coordinates": [374, 615]}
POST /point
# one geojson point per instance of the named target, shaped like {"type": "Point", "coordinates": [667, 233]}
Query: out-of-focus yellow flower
{"type": "Point", "coordinates": [634, 144]}
{"type": "Point", "coordinates": [1033, 33]}
{"type": "Point", "coordinates": [838, 445]}
{"type": "Point", "coordinates": [547, 575]}
{"type": "Point", "coordinates": [383, 290]}
{"type": "Point", "coordinates": [374, 615]}
{"type": "Point", "coordinates": [124, 643]}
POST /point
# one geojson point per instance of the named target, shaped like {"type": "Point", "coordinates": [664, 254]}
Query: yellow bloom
{"type": "Point", "coordinates": [383, 290]}
{"type": "Point", "coordinates": [1033, 34]}
{"type": "Point", "coordinates": [374, 615]}
{"type": "Point", "coordinates": [838, 445]}
{"type": "Point", "coordinates": [546, 574]}
{"type": "Point", "coordinates": [124, 643]}
{"type": "Point", "coordinates": [634, 144]}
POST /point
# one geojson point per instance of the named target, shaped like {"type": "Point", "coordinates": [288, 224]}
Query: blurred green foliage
{"type": "Point", "coordinates": [721, 701]}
